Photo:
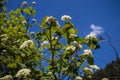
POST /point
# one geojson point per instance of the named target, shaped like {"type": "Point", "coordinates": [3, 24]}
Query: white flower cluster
{"type": "Point", "coordinates": [24, 3]}
{"type": "Point", "coordinates": [94, 67]}
{"type": "Point", "coordinates": [76, 44]}
{"type": "Point", "coordinates": [87, 52]}
{"type": "Point", "coordinates": [34, 20]}
{"type": "Point", "coordinates": [105, 79]}
{"type": "Point", "coordinates": [88, 70]}
{"type": "Point", "coordinates": [23, 73]}
{"type": "Point", "coordinates": [33, 3]}
{"type": "Point", "coordinates": [71, 48]}
{"type": "Point", "coordinates": [24, 22]}
{"type": "Point", "coordinates": [65, 18]}
{"type": "Point", "coordinates": [54, 38]}
{"type": "Point", "coordinates": [27, 43]}
{"type": "Point", "coordinates": [90, 36]}
{"type": "Point", "coordinates": [50, 19]}
{"type": "Point", "coordinates": [7, 77]}
{"type": "Point", "coordinates": [78, 78]}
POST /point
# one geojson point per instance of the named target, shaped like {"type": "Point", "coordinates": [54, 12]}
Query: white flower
{"type": "Point", "coordinates": [65, 18]}
{"type": "Point", "coordinates": [87, 52]}
{"type": "Point", "coordinates": [33, 3]}
{"type": "Point", "coordinates": [25, 3]}
{"type": "Point", "coordinates": [27, 43]}
{"type": "Point", "coordinates": [50, 19]}
{"type": "Point", "coordinates": [94, 67]}
{"type": "Point", "coordinates": [90, 36]}
{"type": "Point", "coordinates": [24, 22]}
{"type": "Point", "coordinates": [75, 43]}
{"type": "Point", "coordinates": [34, 20]}
{"type": "Point", "coordinates": [54, 38]}
{"type": "Point", "coordinates": [50, 73]}
{"type": "Point", "coordinates": [105, 79]}
{"type": "Point", "coordinates": [7, 77]}
{"type": "Point", "coordinates": [23, 73]}
{"type": "Point", "coordinates": [71, 48]}
{"type": "Point", "coordinates": [88, 70]}
{"type": "Point", "coordinates": [78, 78]}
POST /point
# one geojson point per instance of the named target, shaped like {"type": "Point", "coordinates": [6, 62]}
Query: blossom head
{"type": "Point", "coordinates": [94, 67]}
{"type": "Point", "coordinates": [78, 78]}
{"type": "Point", "coordinates": [24, 22]}
{"type": "Point", "coordinates": [34, 20]}
{"type": "Point", "coordinates": [24, 3]}
{"type": "Point", "coordinates": [23, 73]}
{"type": "Point", "coordinates": [33, 3]}
{"type": "Point", "coordinates": [88, 70]}
{"type": "Point", "coordinates": [72, 48]}
{"type": "Point", "coordinates": [50, 19]}
{"type": "Point", "coordinates": [28, 43]}
{"type": "Point", "coordinates": [90, 36]}
{"type": "Point", "coordinates": [105, 79]}
{"type": "Point", "coordinates": [87, 52]}
{"type": "Point", "coordinates": [7, 77]}
{"type": "Point", "coordinates": [65, 18]}
{"type": "Point", "coordinates": [76, 44]}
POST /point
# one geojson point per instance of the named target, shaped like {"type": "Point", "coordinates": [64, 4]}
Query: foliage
{"type": "Point", "coordinates": [21, 50]}
{"type": "Point", "coordinates": [111, 71]}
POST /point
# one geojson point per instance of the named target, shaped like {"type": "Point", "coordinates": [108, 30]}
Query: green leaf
{"type": "Point", "coordinates": [73, 31]}
{"type": "Point", "coordinates": [12, 65]}
{"type": "Point", "coordinates": [18, 11]}
{"type": "Point", "coordinates": [67, 26]}
{"type": "Point", "coordinates": [44, 22]}
{"type": "Point", "coordinates": [90, 60]}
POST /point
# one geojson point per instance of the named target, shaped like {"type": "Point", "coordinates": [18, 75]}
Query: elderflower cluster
{"type": "Point", "coordinates": [24, 3]}
{"type": "Point", "coordinates": [78, 78]}
{"type": "Point", "coordinates": [7, 77]}
{"type": "Point", "coordinates": [71, 48]}
{"type": "Point", "coordinates": [54, 38]}
{"type": "Point", "coordinates": [88, 70]}
{"type": "Point", "coordinates": [76, 44]}
{"type": "Point", "coordinates": [50, 19]}
{"type": "Point", "coordinates": [33, 3]}
{"type": "Point", "coordinates": [24, 22]}
{"type": "Point", "coordinates": [23, 73]}
{"type": "Point", "coordinates": [27, 43]}
{"type": "Point", "coordinates": [105, 79]}
{"type": "Point", "coordinates": [90, 36]}
{"type": "Point", "coordinates": [65, 18]}
{"type": "Point", "coordinates": [34, 20]}
{"type": "Point", "coordinates": [87, 52]}
{"type": "Point", "coordinates": [94, 67]}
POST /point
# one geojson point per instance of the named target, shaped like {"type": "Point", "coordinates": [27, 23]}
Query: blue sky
{"type": "Point", "coordinates": [104, 13]}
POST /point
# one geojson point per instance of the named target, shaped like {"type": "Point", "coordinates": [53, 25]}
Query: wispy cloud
{"type": "Point", "coordinates": [97, 30]}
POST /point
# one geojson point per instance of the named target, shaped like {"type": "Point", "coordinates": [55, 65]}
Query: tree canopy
{"type": "Point", "coordinates": [56, 52]}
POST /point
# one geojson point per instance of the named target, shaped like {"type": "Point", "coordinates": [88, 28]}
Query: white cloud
{"type": "Point", "coordinates": [97, 30]}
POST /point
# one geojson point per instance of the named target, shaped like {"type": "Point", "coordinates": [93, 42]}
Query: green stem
{"type": "Point", "coordinates": [52, 52]}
